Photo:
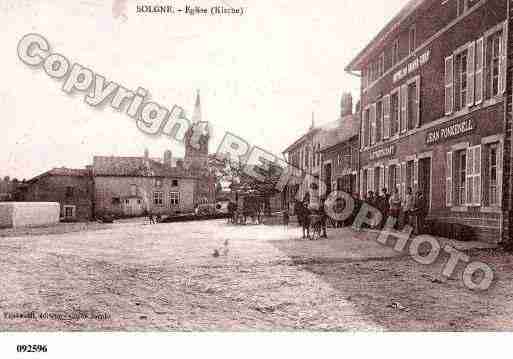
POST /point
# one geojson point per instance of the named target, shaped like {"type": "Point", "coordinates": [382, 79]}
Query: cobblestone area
{"type": "Point", "coordinates": [214, 276]}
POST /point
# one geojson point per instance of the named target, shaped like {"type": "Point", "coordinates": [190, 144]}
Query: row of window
{"type": "Point", "coordinates": [476, 71]}
{"type": "Point", "coordinates": [474, 176]}
{"type": "Point", "coordinates": [396, 176]}
{"type": "Point", "coordinates": [388, 59]}
{"type": "Point", "coordinates": [158, 199]}
{"type": "Point", "coordinates": [307, 157]}
{"type": "Point", "coordinates": [394, 113]}
{"type": "Point", "coordinates": [346, 158]}
{"type": "Point", "coordinates": [391, 56]}
{"type": "Point", "coordinates": [473, 73]}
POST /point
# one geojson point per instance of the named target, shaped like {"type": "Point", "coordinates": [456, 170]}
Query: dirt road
{"type": "Point", "coordinates": [213, 276]}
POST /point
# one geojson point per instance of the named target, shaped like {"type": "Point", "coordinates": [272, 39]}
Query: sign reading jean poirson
{"type": "Point", "coordinates": [450, 131]}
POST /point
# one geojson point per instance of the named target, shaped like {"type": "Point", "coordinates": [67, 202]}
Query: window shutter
{"type": "Point", "coordinates": [373, 124]}
{"type": "Point", "coordinates": [386, 180]}
{"type": "Point", "coordinates": [382, 178]}
{"type": "Point", "coordinates": [404, 107]}
{"type": "Point", "coordinates": [370, 180]}
{"type": "Point", "coordinates": [478, 78]}
{"type": "Point", "coordinates": [503, 59]}
{"type": "Point", "coordinates": [362, 183]}
{"type": "Point", "coordinates": [449, 95]}
{"type": "Point", "coordinates": [416, 174]}
{"type": "Point", "coordinates": [386, 117]}
{"type": "Point", "coordinates": [470, 176]}
{"type": "Point", "coordinates": [477, 176]}
{"type": "Point", "coordinates": [470, 73]}
{"type": "Point", "coordinates": [448, 180]}
{"type": "Point", "coordinates": [365, 128]}
{"type": "Point", "coordinates": [499, 174]}
{"type": "Point", "coordinates": [403, 181]}
{"type": "Point", "coordinates": [417, 104]}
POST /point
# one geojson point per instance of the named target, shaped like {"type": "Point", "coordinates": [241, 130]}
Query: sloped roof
{"type": "Point", "coordinates": [339, 131]}
{"type": "Point", "coordinates": [301, 139]}
{"type": "Point", "coordinates": [133, 167]}
{"type": "Point", "coordinates": [404, 13]}
{"type": "Point", "coordinates": [63, 171]}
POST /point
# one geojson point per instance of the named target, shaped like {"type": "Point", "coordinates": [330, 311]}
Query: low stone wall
{"type": "Point", "coordinates": [28, 214]}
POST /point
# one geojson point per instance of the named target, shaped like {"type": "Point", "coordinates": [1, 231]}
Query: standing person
{"type": "Point", "coordinates": [386, 203]}
{"type": "Point", "coordinates": [324, 217]}
{"type": "Point", "coordinates": [421, 210]}
{"type": "Point", "coordinates": [395, 205]}
{"type": "Point", "coordinates": [370, 198]}
{"type": "Point", "coordinates": [286, 217]}
{"type": "Point", "coordinates": [408, 205]}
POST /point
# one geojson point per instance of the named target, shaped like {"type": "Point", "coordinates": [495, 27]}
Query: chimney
{"type": "Point", "coordinates": [346, 105]}
{"type": "Point", "coordinates": [168, 158]}
{"type": "Point", "coordinates": [146, 153]}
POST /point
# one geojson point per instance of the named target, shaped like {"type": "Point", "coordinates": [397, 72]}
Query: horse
{"type": "Point", "coordinates": [303, 218]}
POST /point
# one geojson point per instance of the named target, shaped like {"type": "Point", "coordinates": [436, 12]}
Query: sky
{"type": "Point", "coordinates": [260, 75]}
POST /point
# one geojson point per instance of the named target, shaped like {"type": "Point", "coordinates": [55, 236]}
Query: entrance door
{"type": "Point", "coordinates": [133, 207]}
{"type": "Point", "coordinates": [425, 178]}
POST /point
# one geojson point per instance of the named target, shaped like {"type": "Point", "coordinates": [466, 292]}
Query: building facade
{"type": "Point", "coordinates": [340, 154]}
{"type": "Point", "coordinates": [71, 188]}
{"type": "Point", "coordinates": [435, 114]}
{"type": "Point", "coordinates": [340, 150]}
{"type": "Point", "coordinates": [133, 186]}
{"type": "Point", "coordinates": [304, 155]}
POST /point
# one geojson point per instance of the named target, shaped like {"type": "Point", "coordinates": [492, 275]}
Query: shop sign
{"type": "Point", "coordinates": [450, 131]}
{"type": "Point", "coordinates": [382, 152]}
{"type": "Point", "coordinates": [412, 66]}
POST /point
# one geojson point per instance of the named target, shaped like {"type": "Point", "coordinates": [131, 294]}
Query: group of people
{"type": "Point", "coordinates": [240, 214]}
{"type": "Point", "coordinates": [410, 210]}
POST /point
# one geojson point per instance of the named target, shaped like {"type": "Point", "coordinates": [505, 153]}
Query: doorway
{"type": "Point", "coordinates": [425, 178]}
{"type": "Point", "coordinates": [327, 178]}
{"type": "Point", "coordinates": [132, 207]}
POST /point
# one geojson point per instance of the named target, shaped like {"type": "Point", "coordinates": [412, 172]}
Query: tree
{"type": "Point", "coordinates": [242, 181]}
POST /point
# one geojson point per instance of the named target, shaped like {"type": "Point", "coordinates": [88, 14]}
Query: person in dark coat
{"type": "Point", "coordinates": [384, 205]}
{"type": "Point", "coordinates": [324, 218]}
{"type": "Point", "coordinates": [286, 217]}
{"type": "Point", "coordinates": [421, 211]}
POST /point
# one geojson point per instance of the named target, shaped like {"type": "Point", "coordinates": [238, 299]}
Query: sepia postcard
{"type": "Point", "coordinates": [203, 177]}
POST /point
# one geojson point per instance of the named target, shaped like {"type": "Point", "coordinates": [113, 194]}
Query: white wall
{"type": "Point", "coordinates": [28, 214]}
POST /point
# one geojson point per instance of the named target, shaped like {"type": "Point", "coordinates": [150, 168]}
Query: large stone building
{"type": "Point", "coordinates": [132, 186]}
{"type": "Point", "coordinates": [436, 111]}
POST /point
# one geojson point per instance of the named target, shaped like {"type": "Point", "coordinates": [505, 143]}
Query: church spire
{"type": "Point", "coordinates": [196, 116]}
